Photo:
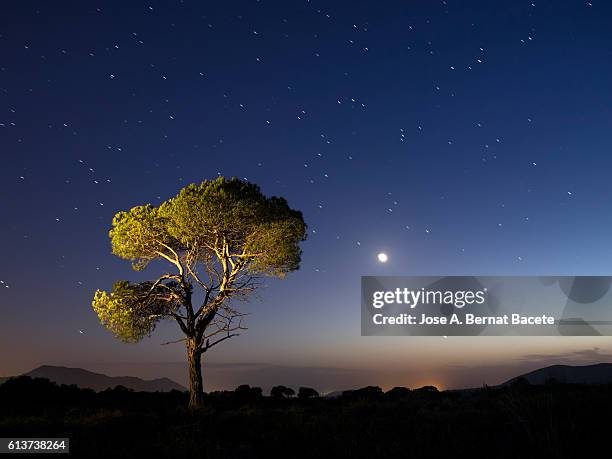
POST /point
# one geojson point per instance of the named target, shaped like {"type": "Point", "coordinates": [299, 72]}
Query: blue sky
{"type": "Point", "coordinates": [458, 137]}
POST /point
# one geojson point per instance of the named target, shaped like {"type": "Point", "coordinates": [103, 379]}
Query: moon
{"type": "Point", "coordinates": [382, 257]}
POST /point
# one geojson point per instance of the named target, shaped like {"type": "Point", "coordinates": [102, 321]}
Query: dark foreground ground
{"type": "Point", "coordinates": [555, 420]}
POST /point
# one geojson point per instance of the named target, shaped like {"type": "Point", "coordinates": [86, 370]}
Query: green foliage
{"type": "Point", "coordinates": [209, 218]}
{"type": "Point", "coordinates": [226, 228]}
{"type": "Point", "coordinates": [130, 311]}
{"type": "Point", "coordinates": [140, 235]}
{"type": "Point", "coordinates": [265, 230]}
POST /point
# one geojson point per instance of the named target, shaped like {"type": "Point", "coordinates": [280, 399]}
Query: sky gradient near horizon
{"type": "Point", "coordinates": [468, 138]}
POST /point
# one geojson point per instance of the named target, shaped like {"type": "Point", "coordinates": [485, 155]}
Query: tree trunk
{"type": "Point", "coordinates": [196, 389]}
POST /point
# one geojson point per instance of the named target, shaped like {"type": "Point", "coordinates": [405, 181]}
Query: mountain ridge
{"type": "Point", "coordinates": [597, 373]}
{"type": "Point", "coordinates": [97, 381]}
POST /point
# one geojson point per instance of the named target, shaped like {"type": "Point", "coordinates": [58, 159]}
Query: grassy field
{"type": "Point", "coordinates": [554, 420]}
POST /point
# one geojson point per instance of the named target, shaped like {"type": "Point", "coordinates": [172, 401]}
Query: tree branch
{"type": "Point", "coordinates": [227, 328]}
{"type": "Point", "coordinates": [180, 322]}
{"type": "Point", "coordinates": [173, 342]}
{"type": "Point", "coordinates": [209, 344]}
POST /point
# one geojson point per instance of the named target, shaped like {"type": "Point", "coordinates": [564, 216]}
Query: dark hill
{"type": "Point", "coordinates": [97, 381]}
{"type": "Point", "coordinates": [600, 373]}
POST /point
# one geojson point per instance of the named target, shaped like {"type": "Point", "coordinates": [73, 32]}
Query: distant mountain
{"type": "Point", "coordinates": [600, 373]}
{"type": "Point", "coordinates": [97, 381]}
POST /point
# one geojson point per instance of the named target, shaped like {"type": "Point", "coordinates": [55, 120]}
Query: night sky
{"type": "Point", "coordinates": [459, 137]}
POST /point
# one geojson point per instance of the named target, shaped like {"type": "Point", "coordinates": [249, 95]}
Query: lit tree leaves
{"type": "Point", "coordinates": [131, 311]}
{"type": "Point", "coordinates": [233, 218]}
{"type": "Point", "coordinates": [141, 235]}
